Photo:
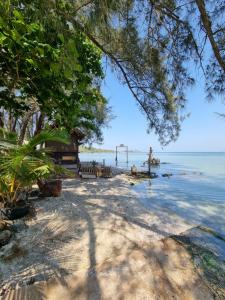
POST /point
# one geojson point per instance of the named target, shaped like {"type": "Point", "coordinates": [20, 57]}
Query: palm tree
{"type": "Point", "coordinates": [22, 165]}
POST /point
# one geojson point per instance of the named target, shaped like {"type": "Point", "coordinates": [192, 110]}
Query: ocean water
{"type": "Point", "coordinates": [195, 192]}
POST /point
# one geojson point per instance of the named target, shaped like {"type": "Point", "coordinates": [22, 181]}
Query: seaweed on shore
{"type": "Point", "coordinates": [212, 232]}
{"type": "Point", "coordinates": [208, 265]}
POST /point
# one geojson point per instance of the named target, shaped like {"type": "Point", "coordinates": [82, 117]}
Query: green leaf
{"type": "Point", "coordinates": [2, 38]}
{"type": "Point", "coordinates": [34, 27]}
{"type": "Point", "coordinates": [16, 36]}
{"type": "Point", "coordinates": [55, 68]}
{"type": "Point", "coordinates": [61, 37]}
{"type": "Point", "coordinates": [30, 61]}
{"type": "Point", "coordinates": [17, 14]}
{"type": "Point", "coordinates": [78, 68]}
{"type": "Point", "coordinates": [41, 51]}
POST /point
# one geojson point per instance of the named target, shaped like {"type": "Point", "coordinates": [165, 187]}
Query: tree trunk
{"type": "Point", "coordinates": [207, 25]}
{"type": "Point", "coordinates": [14, 125]}
{"type": "Point", "coordinates": [39, 124]}
{"type": "Point", "coordinates": [10, 121]}
{"type": "Point", "coordinates": [1, 119]}
{"type": "Point", "coordinates": [25, 123]}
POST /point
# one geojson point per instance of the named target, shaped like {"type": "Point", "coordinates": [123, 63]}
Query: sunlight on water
{"type": "Point", "coordinates": [195, 192]}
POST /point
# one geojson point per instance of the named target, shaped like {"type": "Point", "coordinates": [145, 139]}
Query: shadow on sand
{"type": "Point", "coordinates": [121, 264]}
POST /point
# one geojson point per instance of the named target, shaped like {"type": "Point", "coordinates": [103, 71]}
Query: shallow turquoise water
{"type": "Point", "coordinates": [210, 163]}
{"type": "Point", "coordinates": [196, 191]}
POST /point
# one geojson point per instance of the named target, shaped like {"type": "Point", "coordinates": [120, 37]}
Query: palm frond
{"type": "Point", "coordinates": [7, 135]}
{"type": "Point", "coordinates": [6, 145]}
{"type": "Point", "coordinates": [22, 165]}
{"type": "Point", "coordinates": [49, 135]}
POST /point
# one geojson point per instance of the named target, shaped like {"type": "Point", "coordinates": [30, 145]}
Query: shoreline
{"type": "Point", "coordinates": [98, 232]}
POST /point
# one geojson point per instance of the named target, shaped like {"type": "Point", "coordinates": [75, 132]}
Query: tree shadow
{"type": "Point", "coordinates": [93, 287]}
{"type": "Point", "coordinates": [83, 212]}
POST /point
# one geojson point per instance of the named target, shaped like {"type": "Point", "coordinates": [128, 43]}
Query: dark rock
{"type": "Point", "coordinates": [14, 213]}
{"type": "Point", "coordinates": [131, 183]}
{"type": "Point", "coordinates": [167, 175]}
{"type": "Point", "coordinates": [5, 237]}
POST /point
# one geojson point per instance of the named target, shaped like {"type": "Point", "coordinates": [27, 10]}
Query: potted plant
{"type": "Point", "coordinates": [51, 185]}
{"type": "Point", "coordinates": [20, 167]}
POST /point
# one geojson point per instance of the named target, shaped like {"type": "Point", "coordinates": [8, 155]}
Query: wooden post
{"type": "Point", "coordinates": [116, 155]}
{"type": "Point", "coordinates": [149, 160]}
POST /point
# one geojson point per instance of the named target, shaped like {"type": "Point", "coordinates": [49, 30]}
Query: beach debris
{"type": "Point", "coordinates": [132, 183]}
{"type": "Point", "coordinates": [167, 175]}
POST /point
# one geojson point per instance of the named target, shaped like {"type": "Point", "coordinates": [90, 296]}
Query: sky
{"type": "Point", "coordinates": [204, 130]}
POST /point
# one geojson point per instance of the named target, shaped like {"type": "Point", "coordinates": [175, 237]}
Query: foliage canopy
{"type": "Point", "coordinates": [54, 50]}
{"type": "Point", "coordinates": [153, 45]}
{"type": "Point", "coordinates": [48, 65]}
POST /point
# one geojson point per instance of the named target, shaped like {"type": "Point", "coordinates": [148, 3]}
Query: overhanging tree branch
{"type": "Point", "coordinates": [116, 61]}
{"type": "Point", "coordinates": [208, 27]}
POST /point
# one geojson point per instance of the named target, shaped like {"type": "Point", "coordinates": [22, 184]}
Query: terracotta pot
{"type": "Point", "coordinates": [50, 188]}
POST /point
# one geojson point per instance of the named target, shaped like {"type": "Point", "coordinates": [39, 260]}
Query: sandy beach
{"type": "Point", "coordinates": [112, 150]}
{"type": "Point", "coordinates": [97, 241]}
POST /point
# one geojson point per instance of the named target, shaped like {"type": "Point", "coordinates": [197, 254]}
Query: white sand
{"type": "Point", "coordinates": [97, 241]}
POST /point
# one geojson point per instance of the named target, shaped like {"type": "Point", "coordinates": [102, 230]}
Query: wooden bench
{"type": "Point", "coordinates": [106, 172]}
{"type": "Point", "coordinates": [88, 172]}
{"type": "Point", "coordinates": [93, 172]}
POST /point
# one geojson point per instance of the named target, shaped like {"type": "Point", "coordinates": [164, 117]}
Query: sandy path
{"type": "Point", "coordinates": [98, 242]}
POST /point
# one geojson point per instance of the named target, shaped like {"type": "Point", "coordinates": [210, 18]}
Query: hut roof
{"type": "Point", "coordinates": [76, 137]}
{"type": "Point", "coordinates": [78, 134]}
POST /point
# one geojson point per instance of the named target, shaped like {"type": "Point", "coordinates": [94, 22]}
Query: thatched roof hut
{"type": "Point", "coordinates": [67, 154]}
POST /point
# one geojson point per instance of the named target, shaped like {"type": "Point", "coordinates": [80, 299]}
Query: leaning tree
{"type": "Point", "coordinates": [153, 46]}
